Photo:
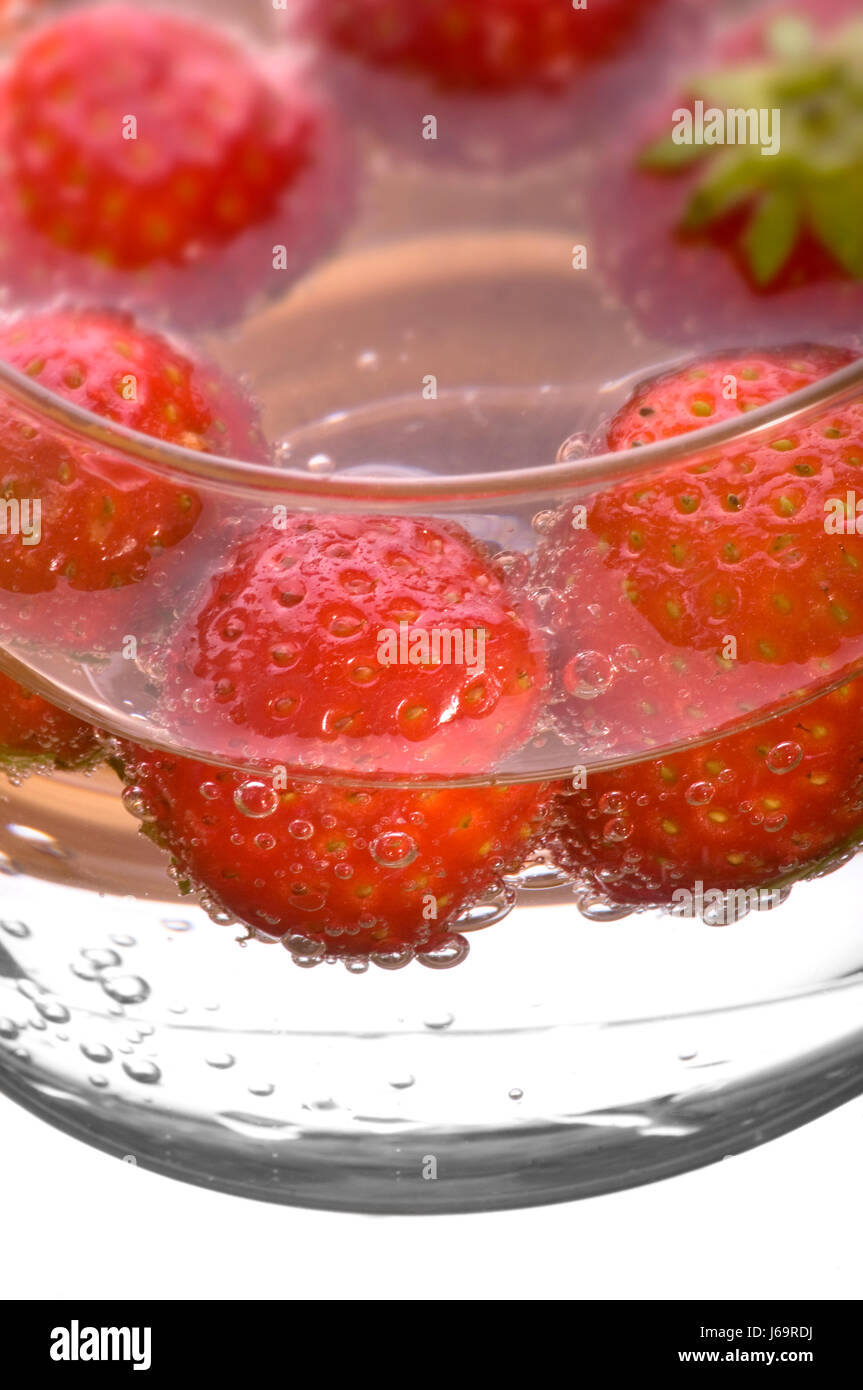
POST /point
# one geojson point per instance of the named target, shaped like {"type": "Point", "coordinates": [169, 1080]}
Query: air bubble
{"type": "Point", "coordinates": [392, 960]}
{"type": "Point", "coordinates": [516, 1093]}
{"type": "Point", "coordinates": [97, 1052]}
{"type": "Point", "coordinates": [439, 1023]}
{"type": "Point", "coordinates": [262, 1088]}
{"type": "Point", "coordinates": [53, 1011]}
{"type": "Point", "coordinates": [19, 930]}
{"type": "Point", "coordinates": [446, 954]}
{"type": "Point", "coordinates": [147, 1073]}
{"type": "Point", "coordinates": [126, 989]}
{"type": "Point", "coordinates": [488, 913]}
{"type": "Point", "coordinates": [357, 966]}
{"type": "Point", "coordinates": [134, 800]}
{"type": "Point", "coordinates": [403, 1083]}
{"type": "Point", "coordinates": [577, 446]}
{"type": "Point", "coordinates": [301, 829]}
{"type": "Point", "coordinates": [101, 959]}
{"type": "Point", "coordinates": [596, 908]}
{"type": "Point", "coordinates": [588, 674]}
{"type": "Point", "coordinates": [220, 1061]}
{"type": "Point", "coordinates": [394, 850]}
{"type": "Point", "coordinates": [784, 757]}
{"type": "Point", "coordinates": [8, 1030]}
{"type": "Point", "coordinates": [616, 830]}
{"type": "Point", "coordinates": [256, 799]}
{"type": "Point", "coordinates": [320, 463]}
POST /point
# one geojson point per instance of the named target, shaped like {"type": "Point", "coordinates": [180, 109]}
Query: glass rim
{"type": "Point", "coordinates": [339, 493]}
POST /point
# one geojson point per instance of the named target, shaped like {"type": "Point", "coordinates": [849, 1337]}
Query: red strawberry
{"type": "Point", "coordinates": [509, 82]}
{"type": "Point", "coordinates": [103, 518]}
{"type": "Point", "coordinates": [721, 241]}
{"type": "Point", "coordinates": [733, 543]}
{"type": "Point", "coordinates": [479, 45]}
{"type": "Point", "coordinates": [143, 140]}
{"type": "Point", "coordinates": [729, 543]}
{"type": "Point", "coordinates": [35, 733]}
{"type": "Point", "coordinates": [335, 871]}
{"type": "Point", "coordinates": [747, 811]}
{"type": "Point", "coordinates": [324, 644]}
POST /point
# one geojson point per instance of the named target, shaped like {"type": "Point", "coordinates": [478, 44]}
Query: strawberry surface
{"type": "Point", "coordinates": [746, 811]}
{"type": "Point", "coordinates": [730, 543]}
{"type": "Point", "coordinates": [300, 650]}
{"type": "Point", "coordinates": [34, 732]}
{"type": "Point", "coordinates": [349, 872]}
{"type": "Point", "coordinates": [212, 147]}
{"type": "Point", "coordinates": [720, 239]}
{"type": "Point", "coordinates": [479, 45]}
{"type": "Point", "coordinates": [152, 159]}
{"type": "Point", "coordinates": [104, 518]}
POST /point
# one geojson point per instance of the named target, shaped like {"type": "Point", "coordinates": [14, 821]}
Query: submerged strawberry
{"type": "Point", "coordinates": [711, 588]}
{"type": "Point", "coordinates": [382, 644]}
{"type": "Point", "coordinates": [140, 140]}
{"type": "Point", "coordinates": [88, 520]}
{"type": "Point", "coordinates": [479, 45]}
{"type": "Point", "coordinates": [746, 811]}
{"type": "Point", "coordinates": [335, 871]}
{"type": "Point", "coordinates": [35, 733]}
{"type": "Point", "coordinates": [742, 210]}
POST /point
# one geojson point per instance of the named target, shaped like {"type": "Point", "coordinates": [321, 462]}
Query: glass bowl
{"type": "Point", "coordinates": [453, 362]}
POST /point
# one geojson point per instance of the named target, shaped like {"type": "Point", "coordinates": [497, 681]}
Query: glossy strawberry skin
{"type": "Point", "coordinates": [353, 871]}
{"type": "Point", "coordinates": [34, 732]}
{"type": "Point", "coordinates": [736, 543]}
{"type": "Point", "coordinates": [728, 544]}
{"type": "Point", "coordinates": [756, 806]}
{"type": "Point", "coordinates": [104, 518]}
{"type": "Point", "coordinates": [286, 656]}
{"type": "Point", "coordinates": [488, 46]}
{"type": "Point", "coordinates": [746, 811]}
{"type": "Point", "coordinates": [213, 148]}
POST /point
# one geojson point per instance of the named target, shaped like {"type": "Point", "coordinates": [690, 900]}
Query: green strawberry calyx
{"type": "Point", "coordinates": [812, 185]}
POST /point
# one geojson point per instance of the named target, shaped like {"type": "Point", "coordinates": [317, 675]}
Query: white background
{"type": "Point", "coordinates": [784, 1221]}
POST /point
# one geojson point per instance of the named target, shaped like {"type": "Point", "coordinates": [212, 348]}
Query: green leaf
{"type": "Point", "coordinates": [772, 234]}
{"type": "Point", "coordinates": [790, 36]}
{"type": "Point", "coordinates": [665, 156]}
{"type": "Point", "coordinates": [835, 213]}
{"type": "Point", "coordinates": [729, 181]}
{"type": "Point", "coordinates": [746, 86]}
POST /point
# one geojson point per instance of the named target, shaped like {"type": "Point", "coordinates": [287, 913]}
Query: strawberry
{"type": "Point", "coordinates": [721, 240]}
{"type": "Point", "coordinates": [728, 544]}
{"type": "Point", "coordinates": [103, 518]}
{"type": "Point", "coordinates": [141, 140]}
{"type": "Point", "coordinates": [334, 871]}
{"type": "Point", "coordinates": [479, 45]}
{"type": "Point", "coordinates": [509, 82]}
{"type": "Point", "coordinates": [750, 810]}
{"type": "Point", "coordinates": [323, 642]}
{"type": "Point", "coordinates": [35, 733]}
